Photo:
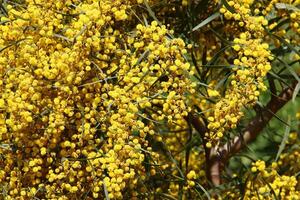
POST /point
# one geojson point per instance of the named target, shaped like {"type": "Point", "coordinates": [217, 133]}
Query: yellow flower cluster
{"type": "Point", "coordinates": [177, 160]}
{"type": "Point", "coordinates": [291, 157]}
{"type": "Point", "coordinates": [250, 66]}
{"type": "Point", "coordinates": [95, 99]}
{"type": "Point", "coordinates": [289, 27]}
{"type": "Point", "coordinates": [82, 88]}
{"type": "Point", "coordinates": [277, 180]}
{"type": "Point", "coordinates": [192, 162]}
{"type": "Point", "coordinates": [268, 184]}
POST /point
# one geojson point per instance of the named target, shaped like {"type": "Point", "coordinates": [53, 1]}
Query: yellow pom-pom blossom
{"type": "Point", "coordinates": [249, 68]}
{"type": "Point", "coordinates": [79, 84]}
{"type": "Point", "coordinates": [266, 183]}
{"type": "Point", "coordinates": [269, 181]}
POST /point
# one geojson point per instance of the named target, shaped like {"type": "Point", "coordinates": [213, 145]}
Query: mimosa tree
{"type": "Point", "coordinates": [160, 99]}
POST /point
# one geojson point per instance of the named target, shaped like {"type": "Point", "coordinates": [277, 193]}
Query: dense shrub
{"type": "Point", "coordinates": [103, 99]}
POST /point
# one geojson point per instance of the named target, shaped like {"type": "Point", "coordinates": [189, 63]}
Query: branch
{"type": "Point", "coordinates": [272, 86]}
{"type": "Point", "coordinates": [201, 129]}
{"type": "Point", "coordinates": [217, 157]}
{"type": "Point", "coordinates": [213, 169]}
{"type": "Point", "coordinates": [256, 125]}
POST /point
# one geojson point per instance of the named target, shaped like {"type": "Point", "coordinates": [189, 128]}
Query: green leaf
{"type": "Point", "coordinates": [12, 44]}
{"type": "Point", "coordinates": [105, 191]}
{"type": "Point", "coordinates": [203, 84]}
{"type": "Point", "coordinates": [150, 11]}
{"type": "Point", "coordinates": [284, 140]}
{"type": "Point", "coordinates": [274, 114]}
{"type": "Point", "coordinates": [142, 57]}
{"type": "Point", "coordinates": [206, 21]}
{"type": "Point", "coordinates": [167, 196]}
{"type": "Point", "coordinates": [277, 117]}
{"type": "Point", "coordinates": [289, 68]}
{"type": "Point", "coordinates": [223, 81]}
{"type": "Point", "coordinates": [272, 190]}
{"type": "Point", "coordinates": [283, 22]}
{"type": "Point", "coordinates": [296, 91]}
{"type": "Point", "coordinates": [220, 37]}
{"type": "Point", "coordinates": [275, 75]}
{"type": "Point", "coordinates": [283, 41]}
{"type": "Point", "coordinates": [278, 78]}
{"type": "Point", "coordinates": [217, 55]}
{"type": "Point", "coordinates": [204, 190]}
{"type": "Point", "coordinates": [3, 8]}
{"type": "Point", "coordinates": [286, 6]}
